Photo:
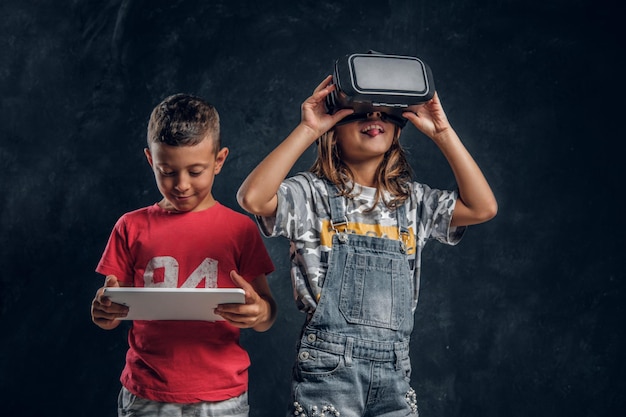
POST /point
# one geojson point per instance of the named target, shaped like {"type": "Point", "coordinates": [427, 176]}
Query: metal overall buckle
{"type": "Point", "coordinates": [342, 236]}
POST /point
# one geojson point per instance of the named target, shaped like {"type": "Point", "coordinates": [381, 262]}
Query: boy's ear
{"type": "Point", "coordinates": [146, 151]}
{"type": "Point", "coordinates": [220, 158]}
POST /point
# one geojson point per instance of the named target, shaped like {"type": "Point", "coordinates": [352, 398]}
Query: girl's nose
{"type": "Point", "coordinates": [374, 115]}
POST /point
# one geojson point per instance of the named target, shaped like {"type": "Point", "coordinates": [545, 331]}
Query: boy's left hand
{"type": "Point", "coordinates": [256, 309]}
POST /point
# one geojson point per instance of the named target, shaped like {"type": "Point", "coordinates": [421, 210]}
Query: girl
{"type": "Point", "coordinates": [357, 224]}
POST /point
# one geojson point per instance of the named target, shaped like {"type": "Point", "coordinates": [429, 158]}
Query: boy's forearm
{"type": "Point", "coordinates": [258, 191]}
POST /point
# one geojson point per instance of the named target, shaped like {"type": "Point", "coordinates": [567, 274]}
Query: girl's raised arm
{"type": "Point", "coordinates": [476, 203]}
{"type": "Point", "coordinates": [257, 194]}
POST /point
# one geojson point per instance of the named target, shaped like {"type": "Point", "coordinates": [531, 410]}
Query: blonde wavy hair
{"type": "Point", "coordinates": [392, 175]}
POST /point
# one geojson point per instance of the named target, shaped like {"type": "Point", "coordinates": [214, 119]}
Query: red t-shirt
{"type": "Point", "coordinates": [184, 361]}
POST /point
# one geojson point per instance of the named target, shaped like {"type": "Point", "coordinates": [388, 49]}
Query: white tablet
{"type": "Point", "coordinates": [148, 303]}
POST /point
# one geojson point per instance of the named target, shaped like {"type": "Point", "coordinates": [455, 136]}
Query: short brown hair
{"type": "Point", "coordinates": [184, 120]}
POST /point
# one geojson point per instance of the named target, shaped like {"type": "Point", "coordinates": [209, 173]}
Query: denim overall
{"type": "Point", "coordinates": [353, 355]}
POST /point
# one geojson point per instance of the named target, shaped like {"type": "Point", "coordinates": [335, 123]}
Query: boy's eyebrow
{"type": "Point", "coordinates": [201, 165]}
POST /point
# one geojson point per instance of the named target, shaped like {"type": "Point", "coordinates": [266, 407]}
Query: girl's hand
{"type": "Point", "coordinates": [429, 117]}
{"type": "Point", "coordinates": [314, 115]}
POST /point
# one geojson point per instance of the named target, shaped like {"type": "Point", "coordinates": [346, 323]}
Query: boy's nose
{"type": "Point", "coordinates": [182, 184]}
{"type": "Point", "coordinates": [374, 115]}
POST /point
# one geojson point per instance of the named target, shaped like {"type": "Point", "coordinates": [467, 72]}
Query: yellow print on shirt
{"type": "Point", "coordinates": [363, 229]}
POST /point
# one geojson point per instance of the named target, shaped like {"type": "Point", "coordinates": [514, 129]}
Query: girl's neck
{"type": "Point", "coordinates": [364, 173]}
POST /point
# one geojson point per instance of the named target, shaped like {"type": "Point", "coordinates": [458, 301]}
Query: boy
{"type": "Point", "coordinates": [188, 239]}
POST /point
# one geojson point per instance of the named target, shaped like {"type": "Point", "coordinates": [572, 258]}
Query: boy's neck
{"type": "Point", "coordinates": [168, 206]}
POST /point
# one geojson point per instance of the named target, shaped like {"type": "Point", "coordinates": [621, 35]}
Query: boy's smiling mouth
{"type": "Point", "coordinates": [373, 129]}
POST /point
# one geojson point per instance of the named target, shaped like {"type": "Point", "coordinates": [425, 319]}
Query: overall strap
{"type": "Point", "coordinates": [403, 227]}
{"type": "Point", "coordinates": [337, 204]}
{"type": "Point", "coordinates": [401, 219]}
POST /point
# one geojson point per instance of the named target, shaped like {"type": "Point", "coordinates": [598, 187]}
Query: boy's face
{"type": "Point", "coordinates": [185, 174]}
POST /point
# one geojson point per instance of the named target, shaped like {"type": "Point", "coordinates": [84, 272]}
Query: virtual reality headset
{"type": "Point", "coordinates": [379, 82]}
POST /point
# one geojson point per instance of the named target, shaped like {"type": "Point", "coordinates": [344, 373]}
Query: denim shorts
{"type": "Point", "coordinates": [334, 377]}
{"type": "Point", "coordinates": [130, 405]}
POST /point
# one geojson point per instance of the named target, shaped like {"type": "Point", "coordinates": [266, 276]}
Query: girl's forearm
{"type": "Point", "coordinates": [257, 193]}
{"type": "Point", "coordinates": [474, 190]}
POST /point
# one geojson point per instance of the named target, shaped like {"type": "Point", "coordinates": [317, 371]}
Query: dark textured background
{"type": "Point", "coordinates": [524, 318]}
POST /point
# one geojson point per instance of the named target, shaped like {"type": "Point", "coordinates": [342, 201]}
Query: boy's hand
{"type": "Point", "coordinates": [429, 117]}
{"type": "Point", "coordinates": [104, 311]}
{"type": "Point", "coordinates": [255, 313]}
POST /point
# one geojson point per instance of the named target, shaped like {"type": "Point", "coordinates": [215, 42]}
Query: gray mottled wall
{"type": "Point", "coordinates": [524, 317]}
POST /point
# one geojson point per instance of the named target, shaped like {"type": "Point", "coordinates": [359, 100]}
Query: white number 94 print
{"type": "Point", "coordinates": [206, 270]}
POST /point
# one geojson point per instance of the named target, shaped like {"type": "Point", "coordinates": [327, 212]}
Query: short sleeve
{"type": "Point", "coordinates": [255, 259]}
{"type": "Point", "coordinates": [298, 201]}
{"type": "Point", "coordinates": [434, 209]}
{"type": "Point", "coordinates": [116, 258]}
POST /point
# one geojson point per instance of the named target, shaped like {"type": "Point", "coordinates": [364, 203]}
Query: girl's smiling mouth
{"type": "Point", "coordinates": [373, 130]}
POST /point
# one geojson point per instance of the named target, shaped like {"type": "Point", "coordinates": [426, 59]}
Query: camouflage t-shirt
{"type": "Point", "coordinates": [303, 217]}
